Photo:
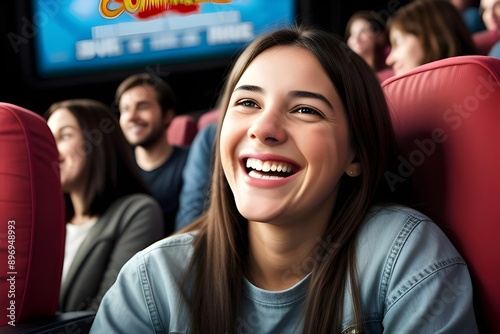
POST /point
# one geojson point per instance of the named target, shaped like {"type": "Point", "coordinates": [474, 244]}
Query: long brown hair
{"type": "Point", "coordinates": [438, 25]}
{"type": "Point", "coordinates": [221, 246]}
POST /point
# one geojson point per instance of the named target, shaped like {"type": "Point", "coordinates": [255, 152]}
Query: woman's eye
{"type": "Point", "coordinates": [248, 103]}
{"type": "Point", "coordinates": [65, 136]}
{"type": "Point", "coordinates": [308, 111]}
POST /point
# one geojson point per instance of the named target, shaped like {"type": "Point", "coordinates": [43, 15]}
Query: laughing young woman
{"type": "Point", "coordinates": [300, 235]}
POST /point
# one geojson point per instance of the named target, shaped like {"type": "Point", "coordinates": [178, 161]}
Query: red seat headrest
{"type": "Point", "coordinates": [32, 228]}
{"type": "Point", "coordinates": [182, 130]}
{"type": "Point", "coordinates": [446, 116]}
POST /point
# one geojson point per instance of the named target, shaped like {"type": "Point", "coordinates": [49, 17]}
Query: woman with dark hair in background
{"type": "Point", "coordinates": [424, 31]}
{"type": "Point", "coordinates": [490, 13]}
{"type": "Point", "coordinates": [365, 34]}
{"type": "Point", "coordinates": [110, 214]}
{"type": "Point", "coordinates": [302, 233]}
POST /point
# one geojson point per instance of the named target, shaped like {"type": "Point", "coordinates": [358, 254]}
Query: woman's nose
{"type": "Point", "coordinates": [388, 59]}
{"type": "Point", "coordinates": [269, 127]}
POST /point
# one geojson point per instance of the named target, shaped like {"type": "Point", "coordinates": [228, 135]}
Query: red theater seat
{"type": "Point", "coordinates": [384, 74]}
{"type": "Point", "coordinates": [182, 130]}
{"type": "Point", "coordinates": [31, 216]}
{"type": "Point", "coordinates": [32, 228]}
{"type": "Point", "coordinates": [446, 116]}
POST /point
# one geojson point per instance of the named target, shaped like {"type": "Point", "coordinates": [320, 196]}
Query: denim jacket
{"type": "Point", "coordinates": [412, 280]}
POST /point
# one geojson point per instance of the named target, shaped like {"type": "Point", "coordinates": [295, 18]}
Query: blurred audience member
{"type": "Point", "coordinates": [424, 31]}
{"type": "Point", "coordinates": [147, 106]}
{"type": "Point", "coordinates": [110, 215]}
{"type": "Point", "coordinates": [490, 12]}
{"type": "Point", "coordinates": [196, 177]}
{"type": "Point", "coordinates": [365, 34]}
{"type": "Point", "coordinates": [469, 9]}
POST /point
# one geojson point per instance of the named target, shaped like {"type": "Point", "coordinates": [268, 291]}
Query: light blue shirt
{"type": "Point", "coordinates": [495, 51]}
{"type": "Point", "coordinates": [196, 177]}
{"type": "Point", "coordinates": [412, 280]}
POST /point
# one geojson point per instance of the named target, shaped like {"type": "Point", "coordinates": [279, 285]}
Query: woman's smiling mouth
{"type": "Point", "coordinates": [269, 169]}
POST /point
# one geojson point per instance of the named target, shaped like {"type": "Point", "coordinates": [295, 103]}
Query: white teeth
{"type": "Point", "coordinates": [256, 175]}
{"type": "Point", "coordinates": [266, 166]}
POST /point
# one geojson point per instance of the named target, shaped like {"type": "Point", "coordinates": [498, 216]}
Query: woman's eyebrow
{"type": "Point", "coordinates": [250, 88]}
{"type": "Point", "coordinates": [293, 93]}
{"type": "Point", "coordinates": [302, 93]}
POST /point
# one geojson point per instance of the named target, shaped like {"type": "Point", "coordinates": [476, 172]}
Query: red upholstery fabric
{"type": "Point", "coordinates": [485, 40]}
{"type": "Point", "coordinates": [31, 217]}
{"type": "Point", "coordinates": [182, 130]}
{"type": "Point", "coordinates": [446, 116]}
{"type": "Point", "coordinates": [384, 74]}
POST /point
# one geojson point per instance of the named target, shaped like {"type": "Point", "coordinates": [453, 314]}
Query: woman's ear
{"type": "Point", "coordinates": [354, 169]}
